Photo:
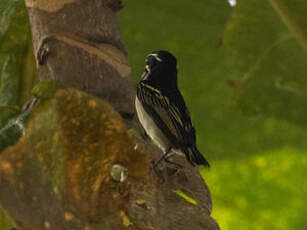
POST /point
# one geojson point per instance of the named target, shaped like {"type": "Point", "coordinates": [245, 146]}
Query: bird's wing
{"type": "Point", "coordinates": [171, 116]}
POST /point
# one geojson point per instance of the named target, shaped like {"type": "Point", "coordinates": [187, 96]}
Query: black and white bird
{"type": "Point", "coordinates": [162, 111]}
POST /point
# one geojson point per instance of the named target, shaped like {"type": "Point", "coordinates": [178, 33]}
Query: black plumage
{"type": "Point", "coordinates": [159, 97]}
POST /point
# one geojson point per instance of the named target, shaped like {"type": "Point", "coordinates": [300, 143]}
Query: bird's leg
{"type": "Point", "coordinates": [154, 165]}
{"type": "Point", "coordinates": [164, 155]}
{"type": "Point", "coordinates": [171, 162]}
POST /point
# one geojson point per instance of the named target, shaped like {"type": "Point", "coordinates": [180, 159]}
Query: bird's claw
{"type": "Point", "coordinates": [153, 168]}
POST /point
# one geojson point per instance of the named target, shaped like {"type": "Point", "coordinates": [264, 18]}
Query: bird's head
{"type": "Point", "coordinates": [160, 69]}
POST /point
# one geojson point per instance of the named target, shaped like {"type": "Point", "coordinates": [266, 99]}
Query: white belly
{"type": "Point", "coordinates": [151, 128]}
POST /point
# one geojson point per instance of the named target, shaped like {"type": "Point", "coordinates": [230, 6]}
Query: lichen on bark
{"type": "Point", "coordinates": [71, 142]}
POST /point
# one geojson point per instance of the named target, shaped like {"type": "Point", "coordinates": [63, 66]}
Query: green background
{"type": "Point", "coordinates": [251, 128]}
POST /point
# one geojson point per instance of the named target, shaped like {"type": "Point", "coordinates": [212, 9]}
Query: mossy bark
{"type": "Point", "coordinates": [58, 175]}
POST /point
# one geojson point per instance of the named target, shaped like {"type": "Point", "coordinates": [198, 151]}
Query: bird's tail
{"type": "Point", "coordinates": [196, 158]}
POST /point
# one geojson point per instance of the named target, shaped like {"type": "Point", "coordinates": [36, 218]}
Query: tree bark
{"type": "Point", "coordinates": [78, 42]}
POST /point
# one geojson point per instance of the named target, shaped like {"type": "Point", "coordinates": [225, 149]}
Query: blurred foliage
{"type": "Point", "coordinates": [17, 63]}
{"type": "Point", "coordinates": [11, 132]}
{"type": "Point", "coordinates": [5, 221]}
{"type": "Point", "coordinates": [268, 45]}
{"type": "Point", "coordinates": [267, 191]}
{"type": "Point", "coordinates": [259, 161]}
{"type": "Point", "coordinates": [15, 127]}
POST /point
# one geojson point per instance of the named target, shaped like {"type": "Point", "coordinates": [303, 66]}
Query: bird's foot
{"type": "Point", "coordinates": [172, 171]}
{"type": "Point", "coordinates": [179, 166]}
{"type": "Point", "coordinates": [154, 168]}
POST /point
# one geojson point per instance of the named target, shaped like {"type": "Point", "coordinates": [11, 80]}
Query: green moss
{"type": "Point", "coordinates": [46, 89]}
{"type": "Point", "coordinates": [118, 172]}
{"type": "Point", "coordinates": [135, 135]}
{"type": "Point", "coordinates": [45, 140]}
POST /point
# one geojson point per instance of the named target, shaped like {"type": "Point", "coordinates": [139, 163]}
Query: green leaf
{"type": "Point", "coordinates": [17, 65]}
{"type": "Point", "coordinates": [14, 121]}
{"type": "Point", "coordinates": [186, 197]}
{"type": "Point", "coordinates": [10, 134]}
{"type": "Point", "coordinates": [293, 14]}
{"type": "Point", "coordinates": [267, 42]}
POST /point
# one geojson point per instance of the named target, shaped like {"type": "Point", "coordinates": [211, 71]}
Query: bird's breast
{"type": "Point", "coordinates": [150, 127]}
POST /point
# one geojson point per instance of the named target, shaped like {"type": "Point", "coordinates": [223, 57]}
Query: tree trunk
{"type": "Point", "coordinates": [78, 42]}
{"type": "Point", "coordinates": [58, 174]}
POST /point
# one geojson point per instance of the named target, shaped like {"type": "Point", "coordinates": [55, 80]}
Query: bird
{"type": "Point", "coordinates": [162, 111]}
